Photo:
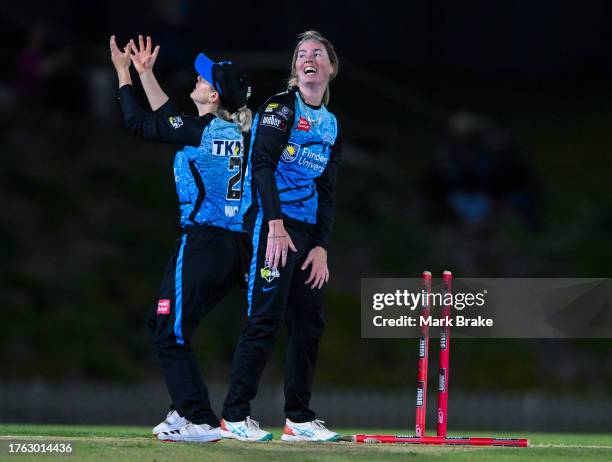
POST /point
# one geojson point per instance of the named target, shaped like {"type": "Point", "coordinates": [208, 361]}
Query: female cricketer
{"type": "Point", "coordinates": [294, 158]}
{"type": "Point", "coordinates": [213, 188]}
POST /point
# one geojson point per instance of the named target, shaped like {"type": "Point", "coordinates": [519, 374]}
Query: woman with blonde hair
{"type": "Point", "coordinates": [294, 160]}
{"type": "Point", "coordinates": [213, 188]}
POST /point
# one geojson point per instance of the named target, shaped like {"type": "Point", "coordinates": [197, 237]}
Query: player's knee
{"type": "Point", "coordinates": [318, 327]}
{"type": "Point", "coordinates": [162, 336]}
{"type": "Point", "coordinates": [167, 347]}
{"type": "Point", "coordinates": [311, 324]}
{"type": "Point", "coordinates": [263, 327]}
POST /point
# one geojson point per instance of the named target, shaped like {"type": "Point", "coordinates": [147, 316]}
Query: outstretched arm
{"type": "Point", "coordinates": [144, 57]}
{"type": "Point", "coordinates": [166, 126]}
{"type": "Point", "coordinates": [121, 61]}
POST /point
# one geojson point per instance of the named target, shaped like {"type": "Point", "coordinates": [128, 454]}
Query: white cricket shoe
{"type": "Point", "coordinates": [192, 433]}
{"type": "Point", "coordinates": [173, 422]}
{"type": "Point", "coordinates": [244, 430]}
{"type": "Point", "coordinates": [308, 431]}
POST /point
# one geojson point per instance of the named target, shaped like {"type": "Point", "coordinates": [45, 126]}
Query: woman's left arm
{"type": "Point", "coordinates": [144, 57]}
{"type": "Point", "coordinates": [164, 126]}
{"type": "Point", "coordinates": [170, 128]}
{"type": "Point", "coordinates": [326, 192]}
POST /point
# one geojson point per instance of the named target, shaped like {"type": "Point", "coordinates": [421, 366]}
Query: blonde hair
{"type": "Point", "coordinates": [331, 52]}
{"type": "Point", "coordinates": [243, 117]}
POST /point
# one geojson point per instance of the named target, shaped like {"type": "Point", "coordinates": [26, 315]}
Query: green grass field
{"type": "Point", "coordinates": [136, 444]}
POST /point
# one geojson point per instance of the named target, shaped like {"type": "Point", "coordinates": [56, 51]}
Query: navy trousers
{"type": "Point", "coordinates": [207, 263]}
{"type": "Point", "coordinates": [276, 295]}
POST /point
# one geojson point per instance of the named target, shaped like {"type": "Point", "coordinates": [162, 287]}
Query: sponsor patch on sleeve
{"type": "Point", "coordinates": [272, 120]}
{"type": "Point", "coordinates": [284, 112]}
{"type": "Point", "coordinates": [278, 109]}
{"type": "Point", "coordinates": [175, 121]}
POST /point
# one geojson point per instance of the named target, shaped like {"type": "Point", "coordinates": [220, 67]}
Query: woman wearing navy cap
{"type": "Point", "coordinates": [294, 159]}
{"type": "Point", "coordinates": [213, 190]}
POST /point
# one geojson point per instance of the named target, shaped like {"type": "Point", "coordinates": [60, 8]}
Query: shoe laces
{"type": "Point", "coordinates": [251, 424]}
{"type": "Point", "coordinates": [168, 415]}
{"type": "Point", "coordinates": [189, 425]}
{"type": "Point", "coordinates": [318, 424]}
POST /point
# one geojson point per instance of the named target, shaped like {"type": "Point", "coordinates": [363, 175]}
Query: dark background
{"type": "Point", "coordinates": [477, 139]}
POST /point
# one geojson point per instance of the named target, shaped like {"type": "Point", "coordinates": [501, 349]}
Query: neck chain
{"type": "Point", "coordinates": [308, 111]}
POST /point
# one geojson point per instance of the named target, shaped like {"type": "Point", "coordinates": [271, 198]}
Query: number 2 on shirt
{"type": "Point", "coordinates": [235, 162]}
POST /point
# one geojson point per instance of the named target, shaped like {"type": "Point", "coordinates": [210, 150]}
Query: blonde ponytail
{"type": "Point", "coordinates": [242, 117]}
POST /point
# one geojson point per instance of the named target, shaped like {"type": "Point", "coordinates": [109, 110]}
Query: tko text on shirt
{"type": "Point", "coordinates": [226, 147]}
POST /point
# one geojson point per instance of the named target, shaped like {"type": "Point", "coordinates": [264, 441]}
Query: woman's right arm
{"type": "Point", "coordinates": [121, 61]}
{"type": "Point", "coordinates": [272, 134]}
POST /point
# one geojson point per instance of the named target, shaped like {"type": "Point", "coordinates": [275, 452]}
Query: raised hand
{"type": "Point", "coordinates": [120, 59]}
{"type": "Point", "coordinates": [144, 55]}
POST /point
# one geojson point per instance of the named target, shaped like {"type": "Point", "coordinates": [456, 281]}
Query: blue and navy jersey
{"type": "Point", "coordinates": [295, 151]}
{"type": "Point", "coordinates": [211, 175]}
{"type": "Point", "coordinates": [208, 178]}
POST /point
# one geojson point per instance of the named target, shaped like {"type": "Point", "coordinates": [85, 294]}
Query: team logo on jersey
{"type": "Point", "coordinates": [290, 152]}
{"type": "Point", "coordinates": [285, 111]}
{"type": "Point", "coordinates": [226, 147]}
{"type": "Point", "coordinates": [303, 124]}
{"type": "Point", "coordinates": [273, 121]}
{"type": "Point", "coordinates": [271, 107]}
{"type": "Point", "coordinates": [176, 121]}
{"type": "Point", "coordinates": [269, 273]}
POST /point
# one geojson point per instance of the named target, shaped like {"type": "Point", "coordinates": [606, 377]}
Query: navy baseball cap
{"type": "Point", "coordinates": [231, 82]}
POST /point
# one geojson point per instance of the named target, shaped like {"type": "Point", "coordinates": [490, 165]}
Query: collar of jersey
{"type": "Point", "coordinates": [311, 106]}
